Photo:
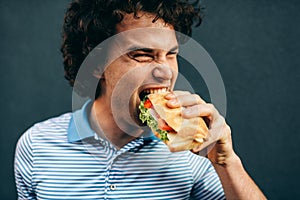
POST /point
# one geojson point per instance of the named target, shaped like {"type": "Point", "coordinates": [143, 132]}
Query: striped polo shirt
{"type": "Point", "coordinates": [63, 158]}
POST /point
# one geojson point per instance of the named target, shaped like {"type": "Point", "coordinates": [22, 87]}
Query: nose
{"type": "Point", "coordinates": [162, 72]}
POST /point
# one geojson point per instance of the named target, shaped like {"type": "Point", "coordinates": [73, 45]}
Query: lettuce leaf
{"type": "Point", "coordinates": [145, 116]}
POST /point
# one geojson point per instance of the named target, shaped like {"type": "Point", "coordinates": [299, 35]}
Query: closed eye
{"type": "Point", "coordinates": [141, 56]}
{"type": "Point", "coordinates": [172, 53]}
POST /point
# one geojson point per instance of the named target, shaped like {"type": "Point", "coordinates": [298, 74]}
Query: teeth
{"type": "Point", "coordinates": [156, 91]}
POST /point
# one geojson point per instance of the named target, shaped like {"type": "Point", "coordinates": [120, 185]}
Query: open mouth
{"type": "Point", "coordinates": [145, 92]}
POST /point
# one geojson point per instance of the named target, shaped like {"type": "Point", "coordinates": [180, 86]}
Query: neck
{"type": "Point", "coordinates": [103, 123]}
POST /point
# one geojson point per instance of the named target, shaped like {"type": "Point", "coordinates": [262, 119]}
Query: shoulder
{"type": "Point", "coordinates": [61, 121]}
{"type": "Point", "coordinates": [51, 127]}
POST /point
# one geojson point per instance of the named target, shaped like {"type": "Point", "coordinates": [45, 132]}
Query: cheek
{"type": "Point", "coordinates": [174, 66]}
{"type": "Point", "coordinates": [127, 79]}
{"type": "Point", "coordinates": [117, 71]}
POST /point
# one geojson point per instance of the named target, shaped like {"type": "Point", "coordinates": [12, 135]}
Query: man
{"type": "Point", "coordinates": [101, 151]}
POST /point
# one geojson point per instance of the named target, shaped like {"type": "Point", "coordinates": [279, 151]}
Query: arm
{"type": "Point", "coordinates": [236, 182]}
{"type": "Point", "coordinates": [23, 167]}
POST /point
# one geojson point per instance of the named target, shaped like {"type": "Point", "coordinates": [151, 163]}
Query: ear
{"type": "Point", "coordinates": [97, 73]}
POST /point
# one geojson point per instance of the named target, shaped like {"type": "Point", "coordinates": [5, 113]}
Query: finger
{"type": "Point", "coordinates": [190, 100]}
{"type": "Point", "coordinates": [174, 94]}
{"type": "Point", "coordinates": [185, 100]}
{"type": "Point", "coordinates": [172, 100]}
{"type": "Point", "coordinates": [203, 149]}
{"type": "Point", "coordinates": [200, 110]}
{"type": "Point", "coordinates": [180, 92]}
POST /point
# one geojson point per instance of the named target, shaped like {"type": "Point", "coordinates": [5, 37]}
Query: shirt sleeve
{"type": "Point", "coordinates": [207, 184]}
{"type": "Point", "coordinates": [23, 167]}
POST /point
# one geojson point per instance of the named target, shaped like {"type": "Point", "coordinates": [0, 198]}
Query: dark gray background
{"type": "Point", "coordinates": [254, 43]}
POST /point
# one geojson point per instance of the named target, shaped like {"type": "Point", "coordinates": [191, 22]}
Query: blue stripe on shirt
{"type": "Point", "coordinates": [51, 164]}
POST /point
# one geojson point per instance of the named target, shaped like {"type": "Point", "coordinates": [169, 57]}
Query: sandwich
{"type": "Point", "coordinates": [167, 124]}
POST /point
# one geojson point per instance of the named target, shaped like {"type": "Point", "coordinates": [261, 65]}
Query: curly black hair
{"type": "Point", "coordinates": [89, 22]}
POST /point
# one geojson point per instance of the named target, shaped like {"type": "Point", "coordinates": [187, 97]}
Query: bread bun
{"type": "Point", "coordinates": [189, 133]}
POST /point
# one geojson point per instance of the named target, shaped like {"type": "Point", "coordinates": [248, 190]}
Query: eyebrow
{"type": "Point", "coordinates": [175, 48]}
{"type": "Point", "coordinates": [149, 50]}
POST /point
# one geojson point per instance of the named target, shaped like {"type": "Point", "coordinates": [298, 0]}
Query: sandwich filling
{"type": "Point", "coordinates": [149, 116]}
{"type": "Point", "coordinates": [176, 132]}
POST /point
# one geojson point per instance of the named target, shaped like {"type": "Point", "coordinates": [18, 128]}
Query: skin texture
{"type": "Point", "coordinates": [116, 110]}
{"type": "Point", "coordinates": [236, 182]}
{"type": "Point", "coordinates": [157, 67]}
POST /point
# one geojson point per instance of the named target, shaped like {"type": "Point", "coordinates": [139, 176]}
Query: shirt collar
{"type": "Point", "coordinates": [79, 127]}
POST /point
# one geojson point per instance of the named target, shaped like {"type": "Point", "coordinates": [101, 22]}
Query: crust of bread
{"type": "Point", "coordinates": [190, 133]}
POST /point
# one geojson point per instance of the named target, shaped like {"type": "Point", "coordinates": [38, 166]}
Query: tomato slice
{"type": "Point", "coordinates": [147, 103]}
{"type": "Point", "coordinates": [163, 125]}
{"type": "Point", "coordinates": [166, 128]}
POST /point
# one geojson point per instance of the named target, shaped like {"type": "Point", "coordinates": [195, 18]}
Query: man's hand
{"type": "Point", "coordinates": [236, 182]}
{"type": "Point", "coordinates": [218, 145]}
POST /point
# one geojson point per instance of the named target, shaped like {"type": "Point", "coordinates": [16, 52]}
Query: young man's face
{"type": "Point", "coordinates": [149, 65]}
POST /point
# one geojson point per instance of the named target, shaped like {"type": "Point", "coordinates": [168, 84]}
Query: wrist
{"type": "Point", "coordinates": [230, 161]}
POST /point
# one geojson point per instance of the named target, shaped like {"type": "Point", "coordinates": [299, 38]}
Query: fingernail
{"type": "Point", "coordinates": [170, 96]}
{"type": "Point", "coordinates": [173, 101]}
{"type": "Point", "coordinates": [187, 111]}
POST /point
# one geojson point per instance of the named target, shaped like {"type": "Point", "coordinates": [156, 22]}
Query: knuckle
{"type": "Point", "coordinates": [197, 98]}
{"type": "Point", "coordinates": [226, 127]}
{"type": "Point", "coordinates": [179, 92]}
{"type": "Point", "coordinates": [210, 106]}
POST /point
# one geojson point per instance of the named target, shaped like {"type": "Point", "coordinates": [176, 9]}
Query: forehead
{"type": "Point", "coordinates": [143, 19]}
{"type": "Point", "coordinates": [142, 32]}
